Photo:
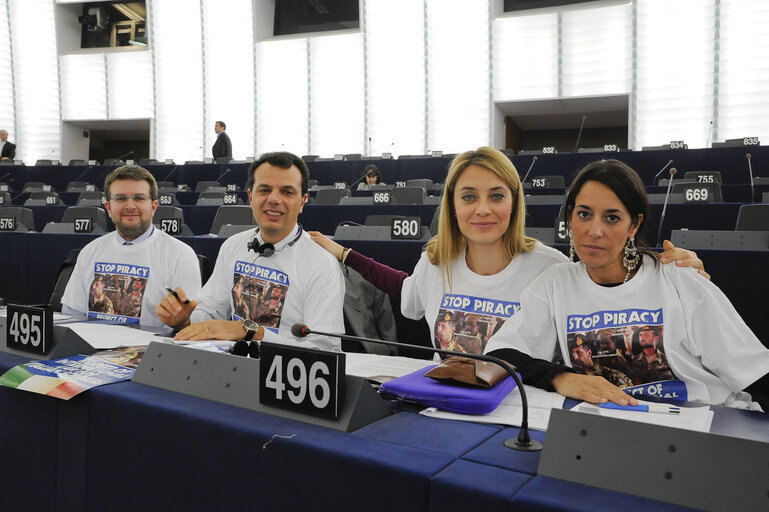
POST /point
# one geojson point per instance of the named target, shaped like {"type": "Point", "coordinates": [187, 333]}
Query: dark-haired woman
{"type": "Point", "coordinates": [686, 339]}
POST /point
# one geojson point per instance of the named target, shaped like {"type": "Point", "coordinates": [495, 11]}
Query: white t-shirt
{"type": "Point", "coordinates": [464, 317]}
{"type": "Point", "coordinates": [702, 351]}
{"type": "Point", "coordinates": [124, 283]}
{"type": "Point", "coordinates": [299, 283]}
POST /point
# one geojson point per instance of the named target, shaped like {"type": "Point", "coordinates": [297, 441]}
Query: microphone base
{"type": "Point", "coordinates": [531, 446]}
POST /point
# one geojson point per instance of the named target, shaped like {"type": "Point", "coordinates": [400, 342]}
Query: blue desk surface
{"type": "Point", "coordinates": [128, 446]}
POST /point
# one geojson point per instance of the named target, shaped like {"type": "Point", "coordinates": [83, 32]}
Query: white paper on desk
{"type": "Point", "coordinates": [376, 365]}
{"type": "Point", "coordinates": [510, 411]}
{"type": "Point", "coordinates": [100, 335]}
{"type": "Point", "coordinates": [690, 418]}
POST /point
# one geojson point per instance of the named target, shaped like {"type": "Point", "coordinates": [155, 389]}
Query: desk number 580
{"type": "Point", "coordinates": [298, 381]}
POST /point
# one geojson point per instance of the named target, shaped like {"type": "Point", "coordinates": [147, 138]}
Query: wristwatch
{"type": "Point", "coordinates": [251, 327]}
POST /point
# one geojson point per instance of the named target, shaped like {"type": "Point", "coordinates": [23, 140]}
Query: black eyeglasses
{"type": "Point", "coordinates": [136, 198]}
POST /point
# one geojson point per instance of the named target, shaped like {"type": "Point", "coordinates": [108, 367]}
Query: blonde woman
{"type": "Point", "coordinates": [469, 279]}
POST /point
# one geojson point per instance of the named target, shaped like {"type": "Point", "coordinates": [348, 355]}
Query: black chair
{"type": "Point", "coordinates": [545, 182]}
{"type": "Point", "coordinates": [90, 198]}
{"type": "Point", "coordinates": [359, 200]}
{"type": "Point", "coordinates": [24, 218]}
{"type": "Point", "coordinates": [206, 268]}
{"type": "Point", "coordinates": [330, 195]}
{"type": "Point", "coordinates": [65, 272]}
{"type": "Point", "coordinates": [312, 183]}
{"type": "Point", "coordinates": [34, 186]}
{"type": "Point", "coordinates": [73, 214]}
{"type": "Point", "coordinates": [211, 198]}
{"type": "Point", "coordinates": [80, 186]}
{"type": "Point", "coordinates": [381, 220]}
{"type": "Point", "coordinates": [309, 158]}
{"type": "Point", "coordinates": [170, 219]}
{"type": "Point", "coordinates": [97, 215]}
{"type": "Point", "coordinates": [235, 218]}
{"type": "Point", "coordinates": [78, 161]}
{"type": "Point", "coordinates": [408, 195]}
{"type": "Point", "coordinates": [435, 220]}
{"type": "Point", "coordinates": [420, 182]}
{"type": "Point", "coordinates": [46, 162]}
{"type": "Point", "coordinates": [223, 159]}
{"type": "Point", "coordinates": [113, 161]}
{"type": "Point", "coordinates": [44, 199]}
{"type": "Point", "coordinates": [148, 161]}
{"type": "Point", "coordinates": [352, 156]}
{"type": "Point", "coordinates": [695, 176]}
{"type": "Point", "coordinates": [167, 186]}
{"type": "Point", "coordinates": [753, 217]}
{"type": "Point", "coordinates": [167, 198]}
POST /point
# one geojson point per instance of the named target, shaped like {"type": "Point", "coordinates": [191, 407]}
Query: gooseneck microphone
{"type": "Point", "coordinates": [170, 173]}
{"type": "Point", "coordinates": [533, 160]}
{"type": "Point", "coordinates": [356, 181]}
{"type": "Point", "coordinates": [579, 135]}
{"type": "Point", "coordinates": [665, 205]}
{"type": "Point", "coordinates": [523, 442]}
{"type": "Point", "coordinates": [661, 170]}
{"type": "Point", "coordinates": [752, 186]}
{"type": "Point", "coordinates": [225, 173]}
{"type": "Point", "coordinates": [83, 173]}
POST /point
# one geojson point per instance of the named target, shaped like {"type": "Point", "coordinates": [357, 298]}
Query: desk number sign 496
{"type": "Point", "coordinates": [29, 329]}
{"type": "Point", "coordinates": [305, 380]}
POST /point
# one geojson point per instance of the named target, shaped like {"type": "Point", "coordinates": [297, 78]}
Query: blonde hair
{"type": "Point", "coordinates": [449, 242]}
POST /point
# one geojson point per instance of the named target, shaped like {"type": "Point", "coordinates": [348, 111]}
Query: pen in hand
{"type": "Point", "coordinates": [173, 292]}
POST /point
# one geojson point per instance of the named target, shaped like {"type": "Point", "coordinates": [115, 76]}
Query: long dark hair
{"type": "Point", "coordinates": [621, 179]}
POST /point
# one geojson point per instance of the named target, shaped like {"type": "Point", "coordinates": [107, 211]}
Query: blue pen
{"type": "Point", "coordinates": [658, 408]}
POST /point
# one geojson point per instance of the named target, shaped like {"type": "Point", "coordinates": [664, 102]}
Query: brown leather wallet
{"type": "Point", "coordinates": [464, 370]}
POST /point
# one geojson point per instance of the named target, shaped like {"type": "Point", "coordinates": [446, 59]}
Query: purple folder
{"type": "Point", "coordinates": [429, 392]}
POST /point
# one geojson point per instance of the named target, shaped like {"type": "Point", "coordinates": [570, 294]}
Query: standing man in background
{"type": "Point", "coordinates": [8, 150]}
{"type": "Point", "coordinates": [222, 146]}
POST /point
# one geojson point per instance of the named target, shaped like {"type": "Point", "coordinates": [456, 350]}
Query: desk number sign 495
{"type": "Point", "coordinates": [305, 380]}
{"type": "Point", "coordinates": [29, 329]}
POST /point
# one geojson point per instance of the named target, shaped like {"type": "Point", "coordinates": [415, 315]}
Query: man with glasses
{"type": "Point", "coordinates": [136, 260]}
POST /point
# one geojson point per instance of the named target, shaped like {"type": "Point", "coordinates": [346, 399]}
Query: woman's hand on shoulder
{"type": "Point", "coordinates": [328, 244]}
{"type": "Point", "coordinates": [590, 388]}
{"type": "Point", "coordinates": [682, 258]}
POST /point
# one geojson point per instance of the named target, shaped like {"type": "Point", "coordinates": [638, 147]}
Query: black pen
{"type": "Point", "coordinates": [173, 292]}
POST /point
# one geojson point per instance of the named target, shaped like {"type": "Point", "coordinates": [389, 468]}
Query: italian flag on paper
{"type": "Point", "coordinates": [64, 378]}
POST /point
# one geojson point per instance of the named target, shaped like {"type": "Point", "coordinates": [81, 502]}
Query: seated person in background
{"type": "Point", "coordinates": [468, 281]}
{"type": "Point", "coordinates": [286, 279]}
{"type": "Point", "coordinates": [7, 149]}
{"type": "Point", "coordinates": [123, 275]}
{"type": "Point", "coordinates": [373, 177]}
{"type": "Point", "coordinates": [688, 341]}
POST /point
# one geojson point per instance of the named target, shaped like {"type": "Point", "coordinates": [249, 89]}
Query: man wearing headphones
{"type": "Point", "coordinates": [277, 270]}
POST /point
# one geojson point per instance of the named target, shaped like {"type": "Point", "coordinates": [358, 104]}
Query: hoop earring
{"type": "Point", "coordinates": [631, 259]}
{"type": "Point", "coordinates": [571, 247]}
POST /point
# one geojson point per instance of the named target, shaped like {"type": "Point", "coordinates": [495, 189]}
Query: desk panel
{"type": "Point", "coordinates": [184, 453]}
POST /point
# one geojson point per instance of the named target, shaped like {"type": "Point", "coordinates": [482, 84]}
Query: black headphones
{"type": "Point", "coordinates": [266, 250]}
